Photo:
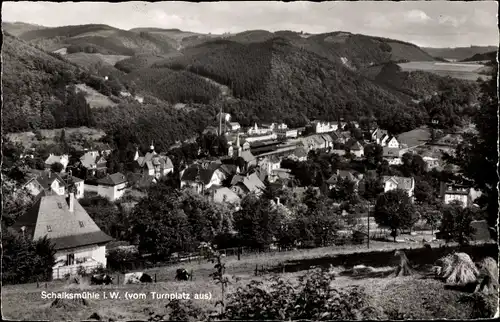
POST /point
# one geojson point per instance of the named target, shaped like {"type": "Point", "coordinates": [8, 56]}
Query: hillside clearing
{"type": "Point", "coordinates": [464, 71]}
{"type": "Point", "coordinates": [94, 98]}
{"type": "Point", "coordinates": [86, 59]}
{"type": "Point", "coordinates": [28, 139]}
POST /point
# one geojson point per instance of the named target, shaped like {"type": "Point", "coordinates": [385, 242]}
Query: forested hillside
{"type": "Point", "coordinates": [276, 81]}
{"type": "Point", "coordinates": [460, 53]}
{"type": "Point", "coordinates": [492, 55]}
{"type": "Point", "coordinates": [97, 39]}
{"type": "Point", "coordinates": [416, 84]}
{"type": "Point", "coordinates": [34, 89]}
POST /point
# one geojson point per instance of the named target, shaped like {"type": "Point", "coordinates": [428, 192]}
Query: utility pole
{"type": "Point", "coordinates": [368, 240]}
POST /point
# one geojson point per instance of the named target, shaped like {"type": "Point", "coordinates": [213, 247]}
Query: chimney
{"type": "Point", "coordinates": [278, 201]}
{"type": "Point", "coordinates": [71, 201]}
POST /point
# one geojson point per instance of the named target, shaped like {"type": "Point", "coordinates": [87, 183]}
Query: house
{"type": "Point", "coordinates": [323, 127]}
{"type": "Point", "coordinates": [75, 185]}
{"type": "Point", "coordinates": [270, 163]}
{"type": "Point", "coordinates": [234, 126]}
{"type": "Point", "coordinates": [377, 135]}
{"type": "Point", "coordinates": [328, 141]}
{"type": "Point", "coordinates": [242, 185]}
{"type": "Point", "coordinates": [286, 133]}
{"type": "Point", "coordinates": [202, 176]}
{"type": "Point", "coordinates": [112, 186]}
{"type": "Point", "coordinates": [62, 159]}
{"type": "Point", "coordinates": [154, 164]}
{"type": "Point", "coordinates": [350, 175]}
{"type": "Point", "coordinates": [225, 195]}
{"type": "Point", "coordinates": [431, 162]}
{"type": "Point", "coordinates": [255, 130]}
{"type": "Point", "coordinates": [93, 162]}
{"type": "Point", "coordinates": [78, 241]}
{"type": "Point", "coordinates": [404, 183]}
{"type": "Point", "coordinates": [357, 149]}
{"type": "Point", "coordinates": [451, 191]}
{"type": "Point", "coordinates": [283, 175]}
{"type": "Point", "coordinates": [299, 154]}
{"type": "Point", "coordinates": [47, 181]}
{"type": "Point", "coordinates": [393, 156]}
{"type": "Point", "coordinates": [392, 143]}
{"type": "Point", "coordinates": [262, 137]}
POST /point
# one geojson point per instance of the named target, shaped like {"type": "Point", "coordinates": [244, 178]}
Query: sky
{"type": "Point", "coordinates": [424, 23]}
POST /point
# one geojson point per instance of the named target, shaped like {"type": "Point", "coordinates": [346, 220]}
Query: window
{"type": "Point", "coordinates": [81, 224]}
{"type": "Point", "coordinates": [59, 205]}
{"type": "Point", "coordinates": [70, 259]}
{"type": "Point", "coordinates": [49, 229]}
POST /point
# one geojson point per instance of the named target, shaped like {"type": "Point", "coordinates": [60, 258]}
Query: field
{"type": "Point", "coordinates": [28, 139]}
{"type": "Point", "coordinates": [466, 71]}
{"type": "Point", "coordinates": [94, 98]}
{"type": "Point", "coordinates": [85, 59]}
{"type": "Point", "coordinates": [416, 296]}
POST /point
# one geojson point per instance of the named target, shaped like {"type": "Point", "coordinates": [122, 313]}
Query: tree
{"type": "Point", "coordinates": [56, 167]}
{"type": "Point", "coordinates": [456, 223]}
{"type": "Point", "coordinates": [374, 154]}
{"type": "Point", "coordinates": [432, 218]}
{"type": "Point", "coordinates": [371, 188]}
{"type": "Point", "coordinates": [343, 190]}
{"type": "Point", "coordinates": [255, 223]}
{"type": "Point", "coordinates": [158, 225]}
{"type": "Point", "coordinates": [477, 156]}
{"type": "Point", "coordinates": [24, 260]}
{"type": "Point", "coordinates": [395, 210]}
{"type": "Point", "coordinates": [424, 192]}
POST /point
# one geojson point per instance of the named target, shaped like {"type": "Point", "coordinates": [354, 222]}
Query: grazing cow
{"type": "Point", "coordinates": [182, 274]}
{"type": "Point", "coordinates": [146, 278]}
{"type": "Point", "coordinates": [137, 278]}
{"type": "Point", "coordinates": [99, 279]}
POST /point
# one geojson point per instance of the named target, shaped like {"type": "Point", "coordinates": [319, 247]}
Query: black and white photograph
{"type": "Point", "coordinates": [249, 160]}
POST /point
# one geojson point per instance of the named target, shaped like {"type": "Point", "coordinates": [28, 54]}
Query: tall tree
{"type": "Point", "coordinates": [478, 155]}
{"type": "Point", "coordinates": [395, 210]}
{"type": "Point", "coordinates": [456, 223]}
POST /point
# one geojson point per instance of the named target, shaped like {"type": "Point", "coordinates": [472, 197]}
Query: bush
{"type": "Point", "coordinates": [26, 261]}
{"type": "Point", "coordinates": [313, 299]}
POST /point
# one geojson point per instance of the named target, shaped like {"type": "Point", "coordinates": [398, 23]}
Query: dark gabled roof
{"type": "Point", "coordinates": [48, 177]}
{"type": "Point", "coordinates": [97, 237]}
{"type": "Point", "coordinates": [229, 169]}
{"type": "Point", "coordinates": [113, 179]}
{"type": "Point", "coordinates": [200, 172]}
{"type": "Point", "coordinates": [66, 228]}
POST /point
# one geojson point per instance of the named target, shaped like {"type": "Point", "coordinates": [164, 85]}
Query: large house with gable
{"type": "Point", "coordinates": [154, 164]}
{"type": "Point", "coordinates": [62, 159]}
{"type": "Point", "coordinates": [94, 162]}
{"type": "Point", "coordinates": [404, 183]}
{"type": "Point", "coordinates": [78, 240]}
{"type": "Point", "coordinates": [202, 176]}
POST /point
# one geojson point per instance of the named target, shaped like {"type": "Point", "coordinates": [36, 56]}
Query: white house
{"type": "Point", "coordinates": [357, 149]}
{"type": "Point", "coordinates": [112, 186]}
{"type": "Point", "coordinates": [47, 181]}
{"type": "Point", "coordinates": [270, 163]}
{"type": "Point", "coordinates": [392, 143]}
{"type": "Point", "coordinates": [62, 159]}
{"type": "Point", "coordinates": [283, 133]}
{"type": "Point", "coordinates": [77, 239]}
{"type": "Point", "coordinates": [450, 192]}
{"type": "Point", "coordinates": [378, 134]}
{"type": "Point", "coordinates": [393, 156]}
{"type": "Point", "coordinates": [404, 183]}
{"type": "Point", "coordinates": [324, 127]}
{"type": "Point", "coordinates": [431, 162]}
{"type": "Point", "coordinates": [225, 195]}
{"type": "Point", "coordinates": [255, 130]}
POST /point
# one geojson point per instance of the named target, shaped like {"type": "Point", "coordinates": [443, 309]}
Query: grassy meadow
{"type": "Point", "coordinates": [417, 296]}
{"type": "Point", "coordinates": [466, 71]}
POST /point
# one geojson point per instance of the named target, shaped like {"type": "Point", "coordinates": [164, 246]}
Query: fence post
{"type": "Point", "coordinates": [256, 269]}
{"type": "Point", "coordinates": [155, 277]}
{"type": "Point", "coordinates": [118, 278]}
{"type": "Point", "coordinates": [191, 275]}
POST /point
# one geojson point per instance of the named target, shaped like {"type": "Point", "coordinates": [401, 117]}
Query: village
{"type": "Point", "coordinates": [253, 159]}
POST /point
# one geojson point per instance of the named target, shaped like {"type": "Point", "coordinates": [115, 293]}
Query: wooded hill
{"type": "Point", "coordinates": [283, 76]}
{"type": "Point", "coordinates": [459, 53]}
{"type": "Point", "coordinates": [492, 55]}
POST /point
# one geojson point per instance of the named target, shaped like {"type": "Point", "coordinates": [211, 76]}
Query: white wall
{"type": "Point", "coordinates": [448, 198]}
{"type": "Point", "coordinates": [80, 189]}
{"type": "Point", "coordinates": [58, 188]}
{"type": "Point", "coordinates": [93, 256]}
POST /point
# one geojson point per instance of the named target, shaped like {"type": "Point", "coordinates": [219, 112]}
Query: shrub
{"type": "Point", "coordinates": [313, 299]}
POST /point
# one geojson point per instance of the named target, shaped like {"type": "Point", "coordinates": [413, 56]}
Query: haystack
{"type": "Point", "coordinates": [457, 269]}
{"type": "Point", "coordinates": [69, 304]}
{"type": "Point", "coordinates": [404, 267]}
{"type": "Point", "coordinates": [488, 275]}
